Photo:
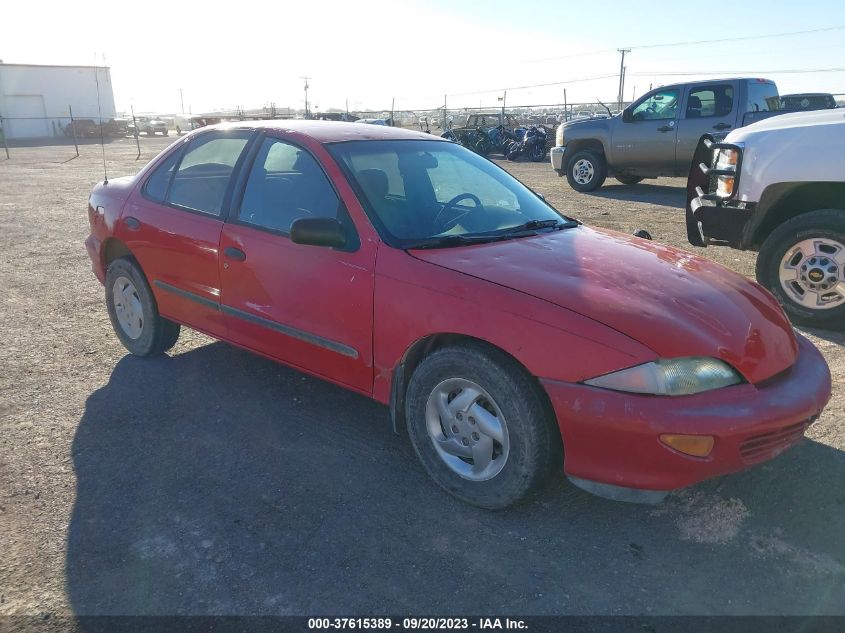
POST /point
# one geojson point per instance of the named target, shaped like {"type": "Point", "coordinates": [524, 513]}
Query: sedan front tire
{"type": "Point", "coordinates": [481, 425]}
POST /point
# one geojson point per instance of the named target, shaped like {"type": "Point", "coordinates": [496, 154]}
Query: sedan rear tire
{"type": "Point", "coordinates": [134, 313]}
{"type": "Point", "coordinates": [481, 425]}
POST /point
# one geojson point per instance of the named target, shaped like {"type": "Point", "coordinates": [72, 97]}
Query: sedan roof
{"type": "Point", "coordinates": [333, 131]}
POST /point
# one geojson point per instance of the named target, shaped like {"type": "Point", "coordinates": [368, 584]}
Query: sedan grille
{"type": "Point", "coordinates": [767, 445]}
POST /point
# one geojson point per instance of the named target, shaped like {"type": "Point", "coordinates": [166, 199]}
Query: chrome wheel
{"type": "Point", "coordinates": [583, 172]}
{"type": "Point", "coordinates": [128, 308]}
{"type": "Point", "coordinates": [811, 273]}
{"type": "Point", "coordinates": [468, 429]}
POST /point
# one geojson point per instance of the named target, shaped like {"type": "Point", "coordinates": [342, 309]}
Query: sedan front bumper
{"type": "Point", "coordinates": [611, 439]}
{"type": "Point", "coordinates": [556, 154]}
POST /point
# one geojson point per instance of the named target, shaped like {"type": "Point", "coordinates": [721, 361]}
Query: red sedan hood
{"type": "Point", "coordinates": [674, 302]}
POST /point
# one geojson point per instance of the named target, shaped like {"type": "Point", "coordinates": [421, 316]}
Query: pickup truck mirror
{"type": "Point", "coordinates": [318, 232]}
{"type": "Point", "coordinates": [627, 115]}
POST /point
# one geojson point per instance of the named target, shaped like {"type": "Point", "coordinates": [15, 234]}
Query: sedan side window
{"type": "Point", "coordinates": [201, 181]}
{"type": "Point", "coordinates": [662, 105]}
{"type": "Point", "coordinates": [286, 183]}
{"type": "Point", "coordinates": [157, 184]}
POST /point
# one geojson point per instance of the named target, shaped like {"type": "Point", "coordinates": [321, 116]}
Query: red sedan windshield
{"type": "Point", "coordinates": [416, 190]}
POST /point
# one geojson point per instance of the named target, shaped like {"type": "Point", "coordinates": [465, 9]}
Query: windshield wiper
{"type": "Point", "coordinates": [532, 225]}
{"type": "Point", "coordinates": [445, 241]}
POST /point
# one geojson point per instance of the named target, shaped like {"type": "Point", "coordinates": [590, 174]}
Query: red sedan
{"type": "Point", "coordinates": [507, 338]}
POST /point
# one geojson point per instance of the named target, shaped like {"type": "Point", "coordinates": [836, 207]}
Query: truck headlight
{"type": "Point", "coordinates": [670, 377]}
{"type": "Point", "coordinates": [726, 159]}
{"type": "Point", "coordinates": [559, 136]}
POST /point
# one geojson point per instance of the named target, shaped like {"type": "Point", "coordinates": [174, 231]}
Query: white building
{"type": "Point", "coordinates": [36, 101]}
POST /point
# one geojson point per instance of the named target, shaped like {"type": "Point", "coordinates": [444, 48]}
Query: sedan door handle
{"type": "Point", "coordinates": [666, 128]}
{"type": "Point", "coordinates": [721, 126]}
{"type": "Point", "coordinates": [234, 253]}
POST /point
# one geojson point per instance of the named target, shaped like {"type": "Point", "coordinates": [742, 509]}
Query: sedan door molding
{"type": "Point", "coordinates": [308, 337]}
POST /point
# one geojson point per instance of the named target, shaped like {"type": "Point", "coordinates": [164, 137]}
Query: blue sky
{"type": "Point", "coordinates": [416, 52]}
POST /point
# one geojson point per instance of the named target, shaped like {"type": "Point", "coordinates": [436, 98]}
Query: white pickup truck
{"type": "Point", "coordinates": [778, 187]}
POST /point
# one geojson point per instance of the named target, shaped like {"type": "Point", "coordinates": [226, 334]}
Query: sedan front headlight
{"type": "Point", "coordinates": [670, 377]}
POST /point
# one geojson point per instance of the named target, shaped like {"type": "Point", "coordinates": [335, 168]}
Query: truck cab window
{"type": "Point", "coordinates": [662, 105]}
{"type": "Point", "coordinates": [708, 101]}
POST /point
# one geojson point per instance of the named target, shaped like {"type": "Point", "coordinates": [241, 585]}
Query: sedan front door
{"type": "Point", "coordinates": [308, 306]}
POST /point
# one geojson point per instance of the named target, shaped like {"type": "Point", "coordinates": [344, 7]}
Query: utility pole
{"type": "Point", "coordinates": [182, 101]}
{"type": "Point", "coordinates": [622, 93]}
{"type": "Point", "coordinates": [622, 72]}
{"type": "Point", "coordinates": [305, 79]}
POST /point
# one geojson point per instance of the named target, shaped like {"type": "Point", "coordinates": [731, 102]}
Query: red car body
{"type": "Point", "coordinates": [568, 306]}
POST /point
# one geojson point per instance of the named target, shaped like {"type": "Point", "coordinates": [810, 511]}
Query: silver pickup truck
{"type": "Point", "coordinates": [778, 187]}
{"type": "Point", "coordinates": [657, 134]}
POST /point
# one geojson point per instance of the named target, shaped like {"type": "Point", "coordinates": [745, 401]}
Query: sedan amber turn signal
{"type": "Point", "coordinates": [695, 445]}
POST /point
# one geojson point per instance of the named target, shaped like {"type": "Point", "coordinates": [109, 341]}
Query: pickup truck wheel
{"type": "Point", "coordinates": [629, 180]}
{"type": "Point", "coordinates": [480, 426]}
{"type": "Point", "coordinates": [802, 262]}
{"type": "Point", "coordinates": [165, 133]}
{"type": "Point", "coordinates": [586, 171]}
{"type": "Point", "coordinates": [133, 311]}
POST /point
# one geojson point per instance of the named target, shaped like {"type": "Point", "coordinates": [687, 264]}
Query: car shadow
{"type": "Point", "coordinates": [833, 336]}
{"type": "Point", "coordinates": [217, 482]}
{"type": "Point", "coordinates": [660, 195]}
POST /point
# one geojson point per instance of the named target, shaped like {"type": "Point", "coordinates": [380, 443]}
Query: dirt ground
{"type": "Point", "coordinates": [216, 482]}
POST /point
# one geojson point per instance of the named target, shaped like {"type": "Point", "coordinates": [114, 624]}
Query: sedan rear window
{"type": "Point", "coordinates": [201, 181]}
{"type": "Point", "coordinates": [156, 186]}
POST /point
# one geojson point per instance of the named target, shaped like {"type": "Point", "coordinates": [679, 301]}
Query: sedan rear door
{"type": "Point", "coordinates": [173, 221]}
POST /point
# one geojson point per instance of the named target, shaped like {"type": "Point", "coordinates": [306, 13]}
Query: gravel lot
{"type": "Point", "coordinates": [213, 481]}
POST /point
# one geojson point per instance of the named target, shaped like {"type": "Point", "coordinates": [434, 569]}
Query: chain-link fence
{"type": "Point", "coordinates": [68, 133]}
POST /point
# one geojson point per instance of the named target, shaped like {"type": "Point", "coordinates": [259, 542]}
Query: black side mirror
{"type": "Point", "coordinates": [318, 232]}
{"type": "Point", "coordinates": [627, 115]}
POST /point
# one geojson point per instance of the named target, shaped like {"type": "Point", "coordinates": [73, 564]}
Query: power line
{"type": "Point", "coordinates": [744, 38]}
{"type": "Point", "coordinates": [790, 71]}
{"type": "Point", "coordinates": [722, 40]}
{"type": "Point", "coordinates": [553, 83]}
